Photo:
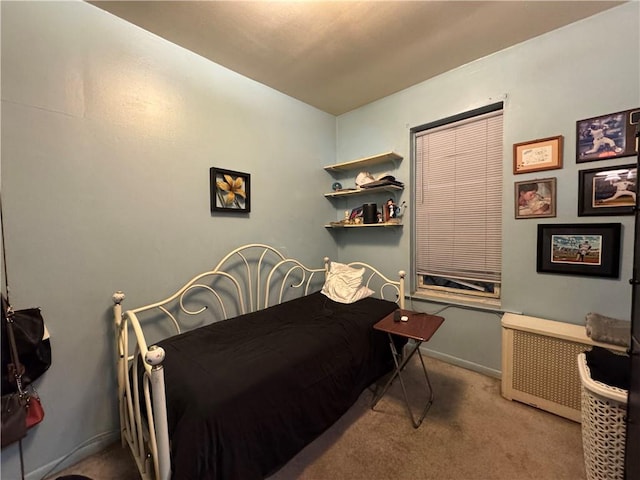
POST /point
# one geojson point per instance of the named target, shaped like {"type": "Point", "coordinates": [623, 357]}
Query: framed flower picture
{"type": "Point", "coordinates": [230, 191]}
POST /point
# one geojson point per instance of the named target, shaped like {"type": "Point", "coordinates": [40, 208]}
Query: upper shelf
{"type": "Point", "coordinates": [364, 162]}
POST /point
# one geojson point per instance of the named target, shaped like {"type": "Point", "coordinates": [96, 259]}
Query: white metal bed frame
{"type": "Point", "coordinates": [258, 270]}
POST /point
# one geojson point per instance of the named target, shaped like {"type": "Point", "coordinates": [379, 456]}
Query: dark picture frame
{"type": "Point", "coordinates": [538, 155]}
{"type": "Point", "coordinates": [535, 198]}
{"type": "Point", "coordinates": [607, 190]}
{"type": "Point", "coordinates": [590, 249]}
{"type": "Point", "coordinates": [606, 137]}
{"type": "Point", "coordinates": [230, 191]}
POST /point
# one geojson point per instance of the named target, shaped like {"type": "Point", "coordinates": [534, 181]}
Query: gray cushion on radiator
{"type": "Point", "coordinates": [608, 330]}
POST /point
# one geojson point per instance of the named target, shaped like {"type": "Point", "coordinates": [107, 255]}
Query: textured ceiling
{"type": "Point", "coordinates": [340, 55]}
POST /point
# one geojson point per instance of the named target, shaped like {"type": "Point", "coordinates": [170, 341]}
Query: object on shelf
{"type": "Point", "coordinates": [336, 186]}
{"type": "Point", "coordinates": [370, 213]}
{"type": "Point", "coordinates": [382, 180]}
{"type": "Point", "coordinates": [363, 178]}
{"type": "Point", "coordinates": [392, 212]}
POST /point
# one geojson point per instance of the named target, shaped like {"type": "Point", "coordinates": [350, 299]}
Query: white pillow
{"type": "Point", "coordinates": [352, 276]}
{"type": "Point", "coordinates": [344, 284]}
{"type": "Point", "coordinates": [362, 292]}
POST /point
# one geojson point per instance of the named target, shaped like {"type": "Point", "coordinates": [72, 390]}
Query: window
{"type": "Point", "coordinates": [458, 205]}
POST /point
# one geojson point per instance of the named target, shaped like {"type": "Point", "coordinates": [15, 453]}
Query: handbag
{"type": "Point", "coordinates": [34, 410]}
{"type": "Point", "coordinates": [32, 343]}
{"type": "Point", "coordinates": [19, 414]}
{"type": "Point", "coordinates": [14, 419]}
{"type": "Point", "coordinates": [23, 409]}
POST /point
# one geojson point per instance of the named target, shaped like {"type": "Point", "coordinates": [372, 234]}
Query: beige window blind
{"type": "Point", "coordinates": [459, 199]}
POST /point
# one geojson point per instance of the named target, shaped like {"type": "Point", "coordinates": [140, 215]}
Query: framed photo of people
{"type": "Point", "coordinates": [535, 198]}
{"type": "Point", "coordinates": [607, 136]}
{"type": "Point", "coordinates": [607, 190]}
{"type": "Point", "coordinates": [591, 249]}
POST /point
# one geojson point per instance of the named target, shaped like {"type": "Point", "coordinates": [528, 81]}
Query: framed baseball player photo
{"type": "Point", "coordinates": [605, 137]}
{"type": "Point", "coordinates": [607, 190]}
{"type": "Point", "coordinates": [590, 249]}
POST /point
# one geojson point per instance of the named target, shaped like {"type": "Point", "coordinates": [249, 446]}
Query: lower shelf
{"type": "Point", "coordinates": [362, 225]}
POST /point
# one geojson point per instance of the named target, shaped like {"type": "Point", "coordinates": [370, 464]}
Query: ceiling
{"type": "Point", "coordinates": [340, 55]}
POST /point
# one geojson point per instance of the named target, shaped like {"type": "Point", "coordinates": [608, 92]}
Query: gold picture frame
{"type": "Point", "coordinates": [538, 155]}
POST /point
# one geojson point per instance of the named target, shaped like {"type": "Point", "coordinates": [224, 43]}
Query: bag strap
{"type": "Point", "coordinates": [16, 369]}
{"type": "Point", "coordinates": [4, 254]}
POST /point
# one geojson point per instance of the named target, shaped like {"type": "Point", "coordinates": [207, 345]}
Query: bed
{"type": "Point", "coordinates": [245, 364]}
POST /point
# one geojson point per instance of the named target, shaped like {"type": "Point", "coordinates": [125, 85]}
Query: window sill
{"type": "Point", "coordinates": [492, 304]}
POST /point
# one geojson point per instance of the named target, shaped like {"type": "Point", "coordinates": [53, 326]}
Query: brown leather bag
{"type": "Point", "coordinates": [20, 412]}
{"type": "Point", "coordinates": [14, 419]}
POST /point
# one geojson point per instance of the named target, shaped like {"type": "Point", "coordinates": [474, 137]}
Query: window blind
{"type": "Point", "coordinates": [459, 199]}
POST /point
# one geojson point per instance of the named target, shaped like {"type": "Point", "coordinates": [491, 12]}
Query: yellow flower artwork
{"type": "Point", "coordinates": [232, 187]}
{"type": "Point", "coordinates": [231, 190]}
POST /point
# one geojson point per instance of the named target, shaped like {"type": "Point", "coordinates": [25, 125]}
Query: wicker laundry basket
{"type": "Point", "coordinates": [604, 410]}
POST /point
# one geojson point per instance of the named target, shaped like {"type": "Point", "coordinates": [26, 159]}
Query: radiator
{"type": "Point", "coordinates": [540, 363]}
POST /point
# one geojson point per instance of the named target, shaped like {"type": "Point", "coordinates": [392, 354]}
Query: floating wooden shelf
{"type": "Point", "coordinates": [364, 162]}
{"type": "Point", "coordinates": [361, 225]}
{"type": "Point", "coordinates": [363, 191]}
{"type": "Point", "coordinates": [387, 157]}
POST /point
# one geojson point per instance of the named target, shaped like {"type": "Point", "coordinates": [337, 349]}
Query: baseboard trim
{"type": "Point", "coordinates": [82, 451]}
{"type": "Point", "coordinates": [459, 362]}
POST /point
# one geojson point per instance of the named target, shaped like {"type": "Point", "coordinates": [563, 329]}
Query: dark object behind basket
{"type": "Point", "coordinates": [609, 368]}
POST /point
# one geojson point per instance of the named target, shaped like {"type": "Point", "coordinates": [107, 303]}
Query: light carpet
{"type": "Point", "coordinates": [470, 433]}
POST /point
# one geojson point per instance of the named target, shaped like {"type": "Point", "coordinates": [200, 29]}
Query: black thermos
{"type": "Point", "coordinates": [370, 213]}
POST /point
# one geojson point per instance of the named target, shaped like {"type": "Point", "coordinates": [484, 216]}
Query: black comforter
{"type": "Point", "coordinates": [246, 394]}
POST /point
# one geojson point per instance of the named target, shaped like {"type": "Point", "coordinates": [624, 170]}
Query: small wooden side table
{"type": "Point", "coordinates": [419, 327]}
